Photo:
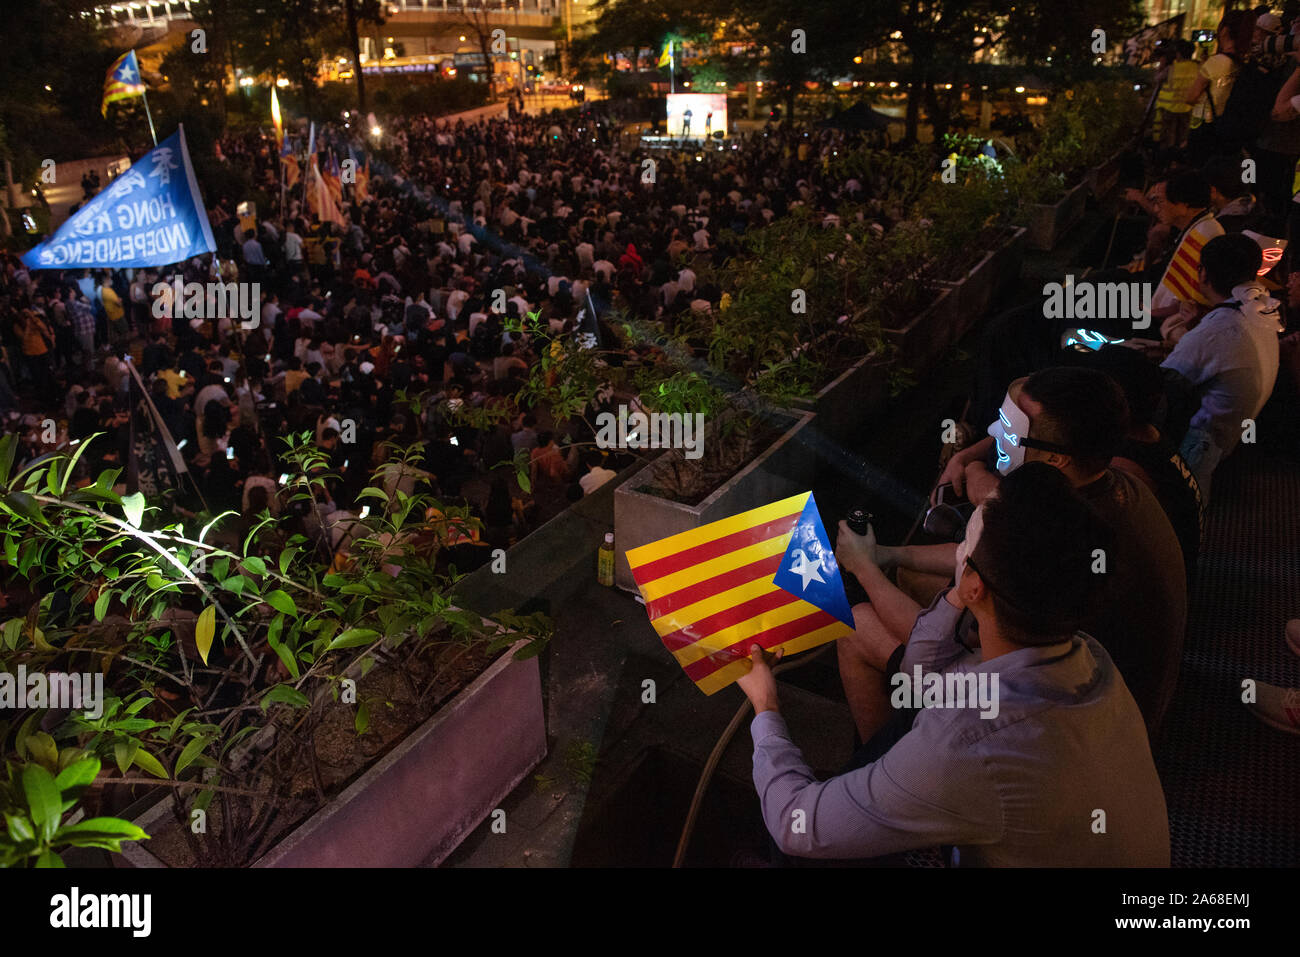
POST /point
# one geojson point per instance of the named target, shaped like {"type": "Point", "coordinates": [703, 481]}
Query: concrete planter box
{"type": "Point", "coordinates": [972, 295]}
{"type": "Point", "coordinates": [1047, 224]}
{"type": "Point", "coordinates": [783, 469]}
{"type": "Point", "coordinates": [422, 798]}
{"type": "Point", "coordinates": [844, 405]}
{"type": "Point", "coordinates": [926, 335]}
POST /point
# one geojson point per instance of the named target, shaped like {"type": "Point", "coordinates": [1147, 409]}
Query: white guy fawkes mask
{"type": "Point", "coordinates": [1011, 426]}
{"type": "Point", "coordinates": [974, 528]}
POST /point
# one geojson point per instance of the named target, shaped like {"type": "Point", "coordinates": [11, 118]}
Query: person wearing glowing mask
{"type": "Point", "coordinates": [1074, 420]}
{"type": "Point", "coordinates": [1010, 434]}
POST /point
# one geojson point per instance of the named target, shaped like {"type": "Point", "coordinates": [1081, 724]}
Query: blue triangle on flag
{"type": "Point", "coordinates": [808, 568]}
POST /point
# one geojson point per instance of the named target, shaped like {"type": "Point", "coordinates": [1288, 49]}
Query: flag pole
{"type": "Point", "coordinates": [672, 69]}
{"type": "Point", "coordinates": [145, 96]}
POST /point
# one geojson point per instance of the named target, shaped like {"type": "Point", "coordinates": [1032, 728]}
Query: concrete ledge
{"type": "Point", "coordinates": [555, 561]}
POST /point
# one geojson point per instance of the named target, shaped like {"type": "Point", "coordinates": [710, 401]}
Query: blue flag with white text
{"type": "Point", "coordinates": [151, 215]}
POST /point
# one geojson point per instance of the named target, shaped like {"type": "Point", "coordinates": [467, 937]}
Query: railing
{"type": "Point", "coordinates": [156, 13]}
{"type": "Point", "coordinates": [160, 12]}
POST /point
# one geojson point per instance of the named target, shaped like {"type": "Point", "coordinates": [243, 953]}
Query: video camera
{"type": "Point", "coordinates": [1277, 44]}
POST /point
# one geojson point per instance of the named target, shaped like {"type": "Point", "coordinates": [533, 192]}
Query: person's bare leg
{"type": "Point", "coordinates": [921, 587]}
{"type": "Point", "coordinates": [892, 608]}
{"type": "Point", "coordinates": [863, 657]}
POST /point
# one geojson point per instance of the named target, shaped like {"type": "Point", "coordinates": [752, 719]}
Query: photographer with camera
{"type": "Point", "coordinates": [1217, 116]}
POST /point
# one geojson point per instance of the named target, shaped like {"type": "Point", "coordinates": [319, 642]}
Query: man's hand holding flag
{"type": "Point", "coordinates": [767, 576]}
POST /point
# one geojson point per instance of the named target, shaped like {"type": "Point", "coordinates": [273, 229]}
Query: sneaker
{"type": "Point", "coordinates": [1277, 707]}
{"type": "Point", "coordinates": [1293, 635]}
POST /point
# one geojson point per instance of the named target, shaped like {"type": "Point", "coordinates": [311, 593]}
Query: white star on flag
{"type": "Point", "coordinates": [126, 73]}
{"type": "Point", "coordinates": [805, 569]}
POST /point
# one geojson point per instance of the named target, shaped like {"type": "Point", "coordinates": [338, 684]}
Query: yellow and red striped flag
{"type": "Point", "coordinates": [122, 81]}
{"type": "Point", "coordinates": [1181, 281]}
{"type": "Point", "coordinates": [324, 208]}
{"type": "Point", "coordinates": [766, 576]}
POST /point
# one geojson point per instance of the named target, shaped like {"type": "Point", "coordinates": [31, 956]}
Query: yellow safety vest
{"type": "Point", "coordinates": [1174, 91]}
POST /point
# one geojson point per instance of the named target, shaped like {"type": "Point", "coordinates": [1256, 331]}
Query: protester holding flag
{"type": "Point", "coordinates": [151, 215]}
{"type": "Point", "coordinates": [1014, 778]}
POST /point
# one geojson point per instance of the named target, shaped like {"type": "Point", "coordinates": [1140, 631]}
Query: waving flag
{"type": "Point", "coordinates": [361, 188]}
{"type": "Point", "coordinates": [766, 576]}
{"type": "Point", "coordinates": [275, 119]}
{"type": "Point", "coordinates": [122, 81]}
{"type": "Point", "coordinates": [666, 57]}
{"type": "Point", "coordinates": [332, 179]}
{"type": "Point", "coordinates": [324, 207]}
{"type": "Point", "coordinates": [151, 215]}
{"type": "Point", "coordinates": [289, 158]}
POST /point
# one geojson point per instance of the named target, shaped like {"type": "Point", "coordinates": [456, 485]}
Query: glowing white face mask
{"type": "Point", "coordinates": [966, 547]}
{"type": "Point", "coordinates": [1011, 427]}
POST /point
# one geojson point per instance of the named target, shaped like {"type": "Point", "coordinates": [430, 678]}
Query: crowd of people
{"type": "Point", "coordinates": [475, 248]}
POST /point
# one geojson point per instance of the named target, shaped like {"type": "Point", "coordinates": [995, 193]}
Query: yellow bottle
{"type": "Point", "coordinates": [605, 561]}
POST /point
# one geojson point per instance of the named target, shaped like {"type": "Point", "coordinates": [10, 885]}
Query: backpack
{"type": "Point", "coordinates": [1249, 105]}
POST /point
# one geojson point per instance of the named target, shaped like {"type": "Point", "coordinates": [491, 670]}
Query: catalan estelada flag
{"type": "Point", "coordinates": [1180, 281]}
{"type": "Point", "coordinates": [766, 576]}
{"type": "Point", "coordinates": [122, 81]}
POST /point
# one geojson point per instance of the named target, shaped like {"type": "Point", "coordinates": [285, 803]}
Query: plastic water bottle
{"type": "Point", "coordinates": [605, 561]}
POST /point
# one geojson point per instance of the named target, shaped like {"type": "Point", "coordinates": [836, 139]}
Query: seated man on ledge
{"type": "Point", "coordinates": [1074, 420]}
{"type": "Point", "coordinates": [1047, 765]}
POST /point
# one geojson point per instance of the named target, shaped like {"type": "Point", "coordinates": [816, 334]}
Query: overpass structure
{"type": "Point", "coordinates": [532, 28]}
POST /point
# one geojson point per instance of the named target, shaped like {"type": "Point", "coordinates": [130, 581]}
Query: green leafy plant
{"type": "Point", "coordinates": [35, 798]}
{"type": "Point", "coordinates": [222, 651]}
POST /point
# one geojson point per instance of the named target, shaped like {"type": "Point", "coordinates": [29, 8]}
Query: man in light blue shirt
{"type": "Point", "coordinates": [253, 254]}
{"type": "Point", "coordinates": [1026, 749]}
{"type": "Point", "coordinates": [1232, 355]}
